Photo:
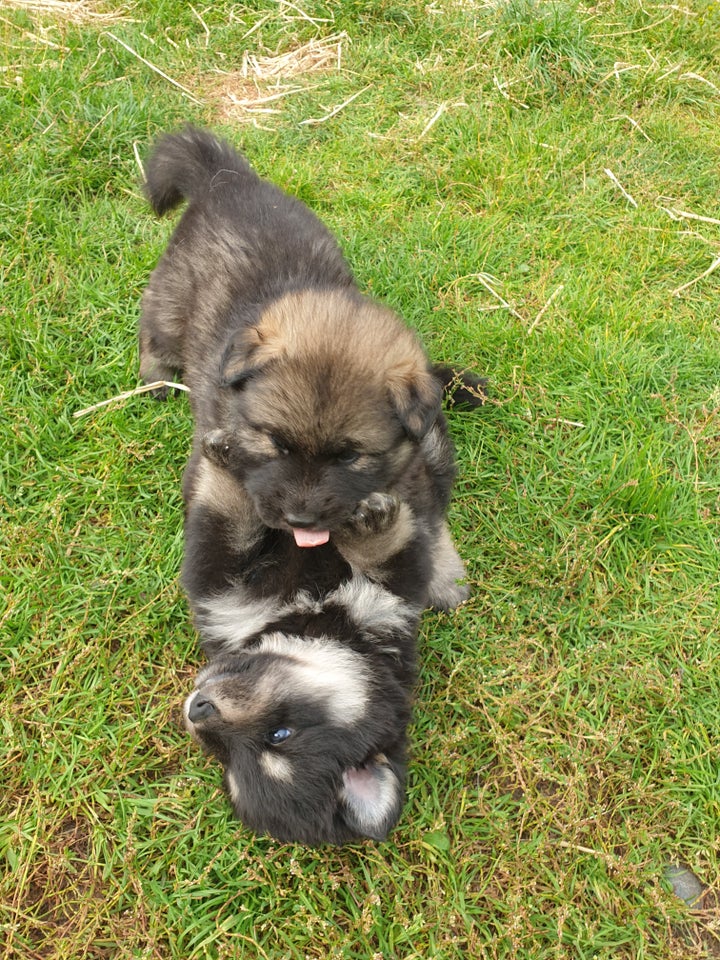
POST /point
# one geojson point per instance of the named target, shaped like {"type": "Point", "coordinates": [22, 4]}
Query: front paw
{"type": "Point", "coordinates": [375, 513]}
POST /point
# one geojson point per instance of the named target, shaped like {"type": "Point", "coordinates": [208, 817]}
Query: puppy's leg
{"type": "Point", "coordinates": [381, 526]}
{"type": "Point", "coordinates": [221, 529]}
{"type": "Point", "coordinates": [154, 365]}
{"type": "Point", "coordinates": [445, 591]}
{"type": "Point", "coordinates": [161, 330]}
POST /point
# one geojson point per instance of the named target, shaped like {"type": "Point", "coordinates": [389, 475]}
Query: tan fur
{"type": "Point", "coordinates": [368, 554]}
{"type": "Point", "coordinates": [359, 341]}
{"type": "Point", "coordinates": [220, 491]}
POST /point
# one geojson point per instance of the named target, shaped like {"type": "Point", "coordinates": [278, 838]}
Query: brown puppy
{"type": "Point", "coordinates": [308, 397]}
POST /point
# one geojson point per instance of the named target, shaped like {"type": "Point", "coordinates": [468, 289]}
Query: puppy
{"type": "Point", "coordinates": [316, 397]}
{"type": "Point", "coordinates": [310, 725]}
{"type": "Point", "coordinates": [308, 692]}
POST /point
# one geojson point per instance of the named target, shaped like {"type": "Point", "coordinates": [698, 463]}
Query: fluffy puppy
{"type": "Point", "coordinates": [309, 399]}
{"type": "Point", "coordinates": [307, 695]}
{"type": "Point", "coordinates": [310, 725]}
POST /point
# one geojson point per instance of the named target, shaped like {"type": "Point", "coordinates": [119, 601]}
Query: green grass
{"type": "Point", "coordinates": [565, 742]}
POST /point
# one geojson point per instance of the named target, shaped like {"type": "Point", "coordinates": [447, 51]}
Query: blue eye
{"type": "Point", "coordinates": [279, 736]}
{"type": "Point", "coordinates": [348, 456]}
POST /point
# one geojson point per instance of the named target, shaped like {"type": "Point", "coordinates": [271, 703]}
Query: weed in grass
{"type": "Point", "coordinates": [551, 38]}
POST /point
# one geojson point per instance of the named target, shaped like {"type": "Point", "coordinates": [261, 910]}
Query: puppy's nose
{"type": "Point", "coordinates": [200, 708]}
{"type": "Point", "coordinates": [302, 521]}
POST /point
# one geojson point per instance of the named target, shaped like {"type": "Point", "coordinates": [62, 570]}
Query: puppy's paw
{"type": "Point", "coordinates": [448, 596]}
{"type": "Point", "coordinates": [375, 513]}
{"type": "Point", "coordinates": [153, 370]}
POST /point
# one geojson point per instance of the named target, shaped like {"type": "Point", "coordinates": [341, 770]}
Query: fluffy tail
{"type": "Point", "coordinates": [461, 388]}
{"type": "Point", "coordinates": [182, 167]}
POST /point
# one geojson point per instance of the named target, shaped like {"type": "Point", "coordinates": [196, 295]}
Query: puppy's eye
{"type": "Point", "coordinates": [279, 445]}
{"type": "Point", "coordinates": [348, 456]}
{"type": "Point", "coordinates": [279, 736]}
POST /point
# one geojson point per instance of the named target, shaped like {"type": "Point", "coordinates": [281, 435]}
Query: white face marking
{"type": "Point", "coordinates": [277, 767]}
{"type": "Point", "coordinates": [189, 725]}
{"type": "Point", "coordinates": [324, 670]}
{"type": "Point", "coordinates": [233, 785]}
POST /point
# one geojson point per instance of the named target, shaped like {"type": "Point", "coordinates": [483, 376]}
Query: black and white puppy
{"type": "Point", "coordinates": [310, 724]}
{"type": "Point", "coordinates": [308, 691]}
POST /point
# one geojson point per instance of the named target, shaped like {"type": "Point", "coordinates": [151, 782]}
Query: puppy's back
{"type": "Point", "coordinates": [241, 243]}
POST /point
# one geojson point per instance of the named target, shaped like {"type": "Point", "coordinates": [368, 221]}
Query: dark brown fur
{"type": "Point", "coordinates": [323, 396]}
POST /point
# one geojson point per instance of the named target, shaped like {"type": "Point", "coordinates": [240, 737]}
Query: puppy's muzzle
{"type": "Point", "coordinates": [302, 521]}
{"type": "Point", "coordinates": [200, 707]}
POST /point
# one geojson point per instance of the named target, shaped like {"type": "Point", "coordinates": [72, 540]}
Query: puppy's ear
{"type": "Point", "coordinates": [249, 349]}
{"type": "Point", "coordinates": [241, 357]}
{"type": "Point", "coordinates": [416, 395]}
{"type": "Point", "coordinates": [372, 798]}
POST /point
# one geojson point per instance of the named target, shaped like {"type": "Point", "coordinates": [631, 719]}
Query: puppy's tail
{"type": "Point", "coordinates": [182, 167]}
{"type": "Point", "coordinates": [460, 387]}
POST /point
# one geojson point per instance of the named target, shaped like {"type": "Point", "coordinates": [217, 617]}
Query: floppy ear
{"type": "Point", "coordinates": [239, 359]}
{"type": "Point", "coordinates": [416, 395]}
{"type": "Point", "coordinates": [372, 798]}
{"type": "Point", "coordinates": [249, 349]}
{"type": "Point", "coordinates": [237, 364]}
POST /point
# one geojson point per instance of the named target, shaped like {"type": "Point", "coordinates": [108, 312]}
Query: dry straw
{"type": "Point", "coordinates": [620, 187]}
{"type": "Point", "coordinates": [317, 54]}
{"type": "Point", "coordinates": [262, 82]}
{"type": "Point", "coordinates": [706, 273]}
{"type": "Point", "coordinates": [78, 11]}
{"type": "Point", "coordinates": [145, 388]}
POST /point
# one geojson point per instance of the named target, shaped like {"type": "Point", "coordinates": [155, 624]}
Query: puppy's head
{"type": "Point", "coordinates": [324, 402]}
{"type": "Point", "coordinates": [312, 746]}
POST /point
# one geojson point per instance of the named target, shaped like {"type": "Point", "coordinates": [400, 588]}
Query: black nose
{"type": "Point", "coordinates": [300, 520]}
{"type": "Point", "coordinates": [200, 708]}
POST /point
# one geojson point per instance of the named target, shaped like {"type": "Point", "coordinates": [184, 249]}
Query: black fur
{"type": "Point", "coordinates": [316, 801]}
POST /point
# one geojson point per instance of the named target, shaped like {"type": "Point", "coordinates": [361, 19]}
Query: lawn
{"type": "Point", "coordinates": [535, 186]}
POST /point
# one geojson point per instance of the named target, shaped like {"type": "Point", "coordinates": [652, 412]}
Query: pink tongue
{"type": "Point", "coordinates": [310, 538]}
